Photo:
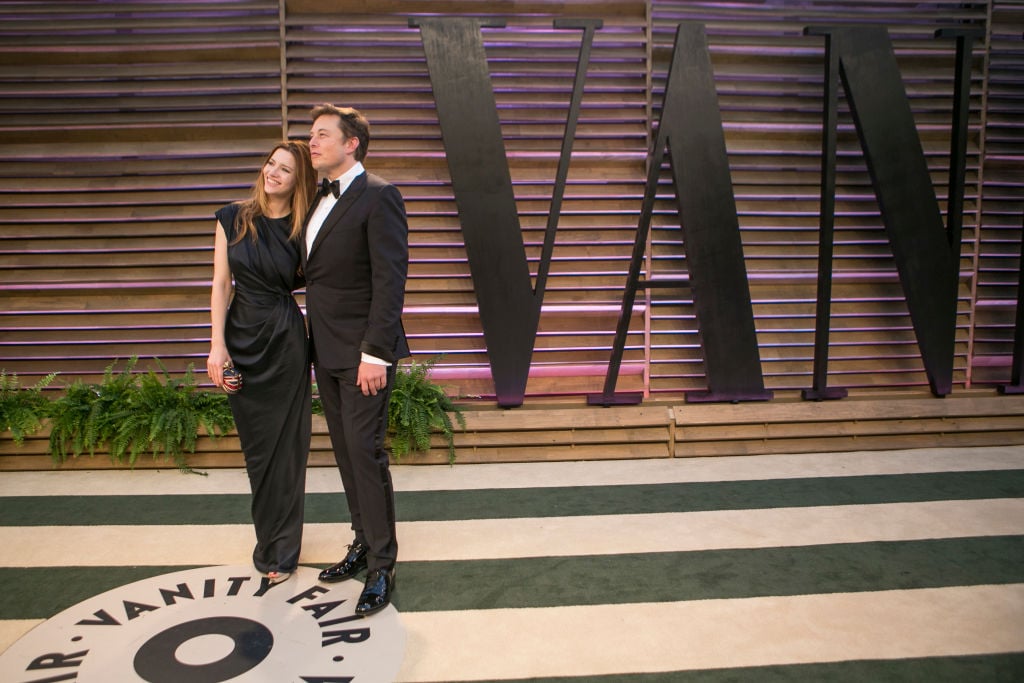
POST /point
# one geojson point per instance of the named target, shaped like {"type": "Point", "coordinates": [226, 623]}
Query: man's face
{"type": "Point", "coordinates": [331, 151]}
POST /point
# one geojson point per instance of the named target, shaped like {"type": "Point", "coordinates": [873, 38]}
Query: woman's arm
{"type": "Point", "coordinates": [220, 296]}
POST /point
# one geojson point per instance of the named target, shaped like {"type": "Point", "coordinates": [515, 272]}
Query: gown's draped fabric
{"type": "Point", "coordinates": [266, 337]}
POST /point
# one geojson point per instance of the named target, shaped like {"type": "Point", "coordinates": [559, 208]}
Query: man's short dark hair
{"type": "Point", "coordinates": [352, 123]}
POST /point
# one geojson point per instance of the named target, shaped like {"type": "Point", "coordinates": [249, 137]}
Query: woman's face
{"type": "Point", "coordinates": [279, 174]}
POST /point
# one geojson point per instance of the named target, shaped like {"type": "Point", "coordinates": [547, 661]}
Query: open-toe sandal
{"type": "Point", "coordinates": [278, 577]}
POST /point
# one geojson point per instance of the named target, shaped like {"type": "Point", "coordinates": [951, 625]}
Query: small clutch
{"type": "Point", "coordinates": [232, 379]}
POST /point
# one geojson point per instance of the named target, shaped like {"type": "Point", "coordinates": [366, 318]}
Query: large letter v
{"type": "Point", "coordinates": [468, 114]}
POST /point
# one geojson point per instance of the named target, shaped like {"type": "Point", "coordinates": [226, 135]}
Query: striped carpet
{"type": "Point", "coordinates": [898, 566]}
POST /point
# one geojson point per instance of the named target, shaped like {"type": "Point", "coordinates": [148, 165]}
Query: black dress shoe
{"type": "Point", "coordinates": [353, 563]}
{"type": "Point", "coordinates": [380, 584]}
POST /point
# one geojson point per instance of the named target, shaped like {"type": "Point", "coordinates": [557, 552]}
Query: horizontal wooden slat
{"type": "Point", "coordinates": [571, 431]}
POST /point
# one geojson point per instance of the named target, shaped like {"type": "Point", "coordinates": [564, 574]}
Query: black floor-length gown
{"type": "Point", "coordinates": [265, 336]}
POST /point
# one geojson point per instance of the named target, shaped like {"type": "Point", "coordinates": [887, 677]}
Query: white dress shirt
{"type": "Point", "coordinates": [327, 203]}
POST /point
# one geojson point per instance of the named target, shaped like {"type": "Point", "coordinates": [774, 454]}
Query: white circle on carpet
{"type": "Point", "coordinates": [213, 625]}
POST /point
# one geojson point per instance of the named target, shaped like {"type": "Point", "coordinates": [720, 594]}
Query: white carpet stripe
{"type": "Point", "coordinates": [610, 639]}
{"type": "Point", "coordinates": [531, 537]}
{"type": "Point", "coordinates": [709, 634]}
{"type": "Point", "coordinates": [527, 475]}
{"type": "Point", "coordinates": [13, 629]}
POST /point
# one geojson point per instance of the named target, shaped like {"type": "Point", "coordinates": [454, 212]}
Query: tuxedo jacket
{"type": "Point", "coordinates": [355, 276]}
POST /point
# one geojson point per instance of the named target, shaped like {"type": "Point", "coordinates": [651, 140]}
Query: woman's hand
{"type": "Point", "coordinates": [215, 363]}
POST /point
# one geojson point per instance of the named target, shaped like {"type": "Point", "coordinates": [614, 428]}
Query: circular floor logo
{"type": "Point", "coordinates": [213, 625]}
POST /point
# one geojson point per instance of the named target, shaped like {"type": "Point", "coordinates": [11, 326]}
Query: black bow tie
{"type": "Point", "coordinates": [328, 187]}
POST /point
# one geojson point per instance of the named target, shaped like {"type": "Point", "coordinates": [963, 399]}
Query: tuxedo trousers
{"type": "Point", "coordinates": [358, 428]}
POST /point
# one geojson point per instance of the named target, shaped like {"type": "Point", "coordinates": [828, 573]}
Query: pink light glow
{"type": "Point", "coordinates": [483, 372]}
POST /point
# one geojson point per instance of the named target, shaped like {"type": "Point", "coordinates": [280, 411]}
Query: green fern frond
{"type": "Point", "coordinates": [22, 410]}
{"type": "Point", "coordinates": [418, 408]}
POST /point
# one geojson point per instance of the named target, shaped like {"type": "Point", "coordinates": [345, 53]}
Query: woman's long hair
{"type": "Point", "coordinates": [305, 189]}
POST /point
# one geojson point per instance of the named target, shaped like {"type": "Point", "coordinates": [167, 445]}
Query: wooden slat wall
{"type": "Point", "coordinates": [124, 125]}
{"type": "Point", "coordinates": [998, 264]}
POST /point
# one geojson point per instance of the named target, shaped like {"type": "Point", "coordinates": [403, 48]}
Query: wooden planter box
{"type": "Point", "coordinates": [491, 435]}
{"type": "Point", "coordinates": [580, 432]}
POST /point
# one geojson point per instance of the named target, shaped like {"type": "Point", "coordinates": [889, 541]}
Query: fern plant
{"type": "Point", "coordinates": [212, 411]}
{"type": "Point", "coordinates": [90, 417]}
{"type": "Point", "coordinates": [22, 411]}
{"type": "Point", "coordinates": [417, 409]}
{"type": "Point", "coordinates": [69, 416]}
{"type": "Point", "coordinates": [113, 419]}
{"type": "Point", "coordinates": [129, 414]}
{"type": "Point", "coordinates": [166, 415]}
{"type": "Point", "coordinates": [318, 404]}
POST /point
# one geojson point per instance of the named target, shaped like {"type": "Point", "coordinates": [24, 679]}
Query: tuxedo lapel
{"type": "Point", "coordinates": [344, 203]}
{"type": "Point", "coordinates": [304, 252]}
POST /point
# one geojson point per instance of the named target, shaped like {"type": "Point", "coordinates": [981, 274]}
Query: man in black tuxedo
{"type": "Point", "coordinates": [355, 262]}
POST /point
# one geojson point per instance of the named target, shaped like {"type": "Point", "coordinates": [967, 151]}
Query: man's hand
{"type": "Point", "coordinates": [371, 378]}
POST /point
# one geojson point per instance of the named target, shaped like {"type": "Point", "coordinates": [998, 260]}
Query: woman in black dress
{"type": "Point", "coordinates": [258, 329]}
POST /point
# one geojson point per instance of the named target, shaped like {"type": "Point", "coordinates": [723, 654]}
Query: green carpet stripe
{"type": "Point", "coordinates": [533, 502]}
{"type": "Point", "coordinates": [997, 668]}
{"type": "Point", "coordinates": [42, 593]}
{"type": "Point", "coordinates": [612, 579]}
{"type": "Point", "coordinates": [714, 574]}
